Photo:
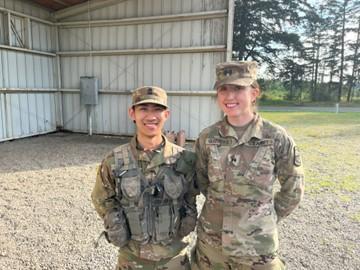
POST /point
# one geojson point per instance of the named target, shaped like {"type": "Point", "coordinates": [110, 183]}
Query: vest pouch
{"type": "Point", "coordinates": [186, 162]}
{"type": "Point", "coordinates": [137, 220]}
{"type": "Point", "coordinates": [163, 223]}
{"type": "Point", "coordinates": [131, 187]}
{"type": "Point", "coordinates": [136, 215]}
{"type": "Point", "coordinates": [173, 185]}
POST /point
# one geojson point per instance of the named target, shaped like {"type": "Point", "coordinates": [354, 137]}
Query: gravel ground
{"type": "Point", "coordinates": [47, 220]}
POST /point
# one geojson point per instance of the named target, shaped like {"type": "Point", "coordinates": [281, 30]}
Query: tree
{"type": "Point", "coordinates": [355, 62]}
{"type": "Point", "coordinates": [313, 46]}
{"type": "Point", "coordinates": [340, 12]}
{"type": "Point", "coordinates": [292, 75]}
{"type": "Point", "coordinates": [259, 28]}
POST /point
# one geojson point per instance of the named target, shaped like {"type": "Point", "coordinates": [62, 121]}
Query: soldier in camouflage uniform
{"type": "Point", "coordinates": [238, 161]}
{"type": "Point", "coordinates": [144, 191]}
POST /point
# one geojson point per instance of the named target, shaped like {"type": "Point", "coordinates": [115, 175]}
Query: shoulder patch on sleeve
{"type": "Point", "coordinates": [297, 158]}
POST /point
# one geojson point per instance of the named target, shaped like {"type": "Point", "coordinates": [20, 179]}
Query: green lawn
{"type": "Point", "coordinates": [330, 147]}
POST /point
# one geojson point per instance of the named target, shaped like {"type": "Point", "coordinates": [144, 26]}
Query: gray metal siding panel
{"type": "Point", "coordinates": [8, 116]}
{"type": "Point", "coordinates": [2, 117]}
{"type": "Point", "coordinates": [32, 113]}
{"type": "Point", "coordinates": [40, 113]}
{"type": "Point", "coordinates": [26, 8]}
{"type": "Point", "coordinates": [12, 67]}
{"type": "Point", "coordinates": [109, 117]}
{"type": "Point", "coordinates": [18, 24]}
{"type": "Point", "coordinates": [26, 114]}
{"type": "Point", "coordinates": [2, 29]}
{"type": "Point", "coordinates": [171, 71]}
{"type": "Point", "coordinates": [206, 32]}
{"type": "Point", "coordinates": [74, 113]}
{"type": "Point", "coordinates": [142, 8]}
{"type": "Point", "coordinates": [191, 114]}
{"type": "Point", "coordinates": [2, 71]}
{"type": "Point", "coordinates": [29, 67]}
{"type": "Point", "coordinates": [175, 72]}
{"type": "Point", "coordinates": [23, 70]}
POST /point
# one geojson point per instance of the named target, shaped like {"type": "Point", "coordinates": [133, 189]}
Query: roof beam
{"type": "Point", "coordinates": [203, 49]}
{"type": "Point", "coordinates": [150, 19]}
{"type": "Point", "coordinates": [84, 7]}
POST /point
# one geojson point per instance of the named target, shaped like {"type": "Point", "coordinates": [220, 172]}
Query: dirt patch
{"type": "Point", "coordinates": [47, 220]}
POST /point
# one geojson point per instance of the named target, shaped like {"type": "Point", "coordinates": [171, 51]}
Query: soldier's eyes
{"type": "Point", "coordinates": [233, 88]}
{"type": "Point", "coordinates": [143, 109]}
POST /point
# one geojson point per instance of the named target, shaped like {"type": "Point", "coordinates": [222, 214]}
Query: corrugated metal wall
{"type": "Point", "coordinates": [27, 79]}
{"type": "Point", "coordinates": [174, 44]}
{"type": "Point", "coordinates": [25, 114]}
{"type": "Point", "coordinates": [126, 67]}
{"type": "Point", "coordinates": [26, 7]}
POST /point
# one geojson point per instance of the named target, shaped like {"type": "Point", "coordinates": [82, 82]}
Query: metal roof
{"type": "Point", "coordinates": [55, 5]}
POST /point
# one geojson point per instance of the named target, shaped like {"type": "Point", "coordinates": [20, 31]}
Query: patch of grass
{"type": "Point", "coordinates": [306, 119]}
{"type": "Point", "coordinates": [356, 217]}
{"type": "Point", "coordinates": [350, 183]}
{"type": "Point", "coordinates": [277, 98]}
{"type": "Point", "coordinates": [330, 147]}
{"type": "Point", "coordinates": [345, 198]}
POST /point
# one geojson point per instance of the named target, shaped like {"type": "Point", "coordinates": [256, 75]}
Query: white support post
{"type": "Point", "coordinates": [59, 111]}
{"type": "Point", "coordinates": [230, 29]}
{"type": "Point", "coordinates": [89, 116]}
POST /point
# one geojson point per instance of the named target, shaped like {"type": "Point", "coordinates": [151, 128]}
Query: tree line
{"type": "Point", "coordinates": [311, 47]}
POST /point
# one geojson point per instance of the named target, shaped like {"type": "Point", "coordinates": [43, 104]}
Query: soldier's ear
{"type": "Point", "coordinates": [131, 113]}
{"type": "Point", "coordinates": [255, 92]}
{"type": "Point", "coordinates": [167, 114]}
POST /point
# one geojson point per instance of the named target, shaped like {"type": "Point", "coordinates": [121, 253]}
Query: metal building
{"type": "Point", "coordinates": [46, 46]}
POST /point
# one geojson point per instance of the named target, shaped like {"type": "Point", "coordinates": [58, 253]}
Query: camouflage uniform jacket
{"type": "Point", "coordinates": [105, 197]}
{"type": "Point", "coordinates": [237, 175]}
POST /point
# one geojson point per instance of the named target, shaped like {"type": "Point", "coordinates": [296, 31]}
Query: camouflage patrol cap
{"type": "Point", "coordinates": [149, 94]}
{"type": "Point", "coordinates": [242, 73]}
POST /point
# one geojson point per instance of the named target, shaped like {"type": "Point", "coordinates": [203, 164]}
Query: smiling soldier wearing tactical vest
{"type": "Point", "coordinates": [145, 193]}
{"type": "Point", "coordinates": [238, 161]}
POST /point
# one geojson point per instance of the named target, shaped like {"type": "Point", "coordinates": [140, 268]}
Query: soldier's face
{"type": "Point", "coordinates": [149, 118]}
{"type": "Point", "coordinates": [236, 101]}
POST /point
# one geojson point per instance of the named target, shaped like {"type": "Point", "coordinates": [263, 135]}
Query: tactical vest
{"type": "Point", "coordinates": [153, 210]}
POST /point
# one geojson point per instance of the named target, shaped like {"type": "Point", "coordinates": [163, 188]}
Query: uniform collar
{"type": "Point", "coordinates": [254, 130]}
{"type": "Point", "coordinates": [162, 153]}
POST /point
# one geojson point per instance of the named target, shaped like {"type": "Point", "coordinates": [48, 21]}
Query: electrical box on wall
{"type": "Point", "coordinates": [89, 90]}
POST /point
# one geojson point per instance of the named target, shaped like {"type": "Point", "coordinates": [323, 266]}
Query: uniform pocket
{"type": "Point", "coordinates": [215, 171]}
{"type": "Point", "coordinates": [260, 171]}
